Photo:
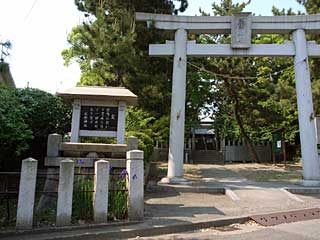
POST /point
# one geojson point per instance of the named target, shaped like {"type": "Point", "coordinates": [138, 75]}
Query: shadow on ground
{"type": "Point", "coordinates": [180, 210]}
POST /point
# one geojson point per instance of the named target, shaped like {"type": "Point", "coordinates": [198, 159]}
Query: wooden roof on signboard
{"type": "Point", "coordinates": [99, 94]}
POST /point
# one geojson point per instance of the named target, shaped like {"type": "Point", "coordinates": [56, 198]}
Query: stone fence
{"type": "Point", "coordinates": [237, 151]}
{"type": "Point", "coordinates": [135, 184]}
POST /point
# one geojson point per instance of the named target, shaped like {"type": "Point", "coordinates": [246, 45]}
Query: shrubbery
{"type": "Point", "coordinates": [147, 129]}
{"type": "Point", "coordinates": [27, 116]}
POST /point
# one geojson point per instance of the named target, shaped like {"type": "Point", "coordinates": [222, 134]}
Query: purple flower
{"type": "Point", "coordinates": [123, 174]}
{"type": "Point", "coordinates": [110, 169]}
{"type": "Point", "coordinates": [80, 161]}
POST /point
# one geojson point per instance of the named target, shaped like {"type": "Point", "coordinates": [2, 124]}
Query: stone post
{"type": "Point", "coordinates": [121, 129]}
{"type": "Point", "coordinates": [176, 140]}
{"type": "Point", "coordinates": [75, 124]}
{"type": "Point", "coordinates": [101, 188]}
{"type": "Point", "coordinates": [135, 185]}
{"type": "Point", "coordinates": [133, 143]}
{"type": "Point", "coordinates": [27, 189]}
{"type": "Point", "coordinates": [65, 191]}
{"type": "Point", "coordinates": [310, 162]}
{"type": "Point", "coordinates": [54, 141]}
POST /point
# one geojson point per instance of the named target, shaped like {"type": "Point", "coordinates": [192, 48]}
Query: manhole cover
{"type": "Point", "coordinates": [287, 217]}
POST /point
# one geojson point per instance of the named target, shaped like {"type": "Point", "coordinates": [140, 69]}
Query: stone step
{"type": "Point", "coordinates": [207, 157]}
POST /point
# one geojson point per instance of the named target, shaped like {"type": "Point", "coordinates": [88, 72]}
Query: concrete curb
{"type": "Point", "coordinates": [12, 233]}
{"type": "Point", "coordinates": [303, 190]}
{"type": "Point", "coordinates": [183, 227]}
{"type": "Point", "coordinates": [102, 234]}
{"type": "Point", "coordinates": [147, 232]}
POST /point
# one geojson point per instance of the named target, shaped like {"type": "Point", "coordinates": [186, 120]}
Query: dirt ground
{"type": "Point", "coordinates": [268, 172]}
{"type": "Point", "coordinates": [252, 171]}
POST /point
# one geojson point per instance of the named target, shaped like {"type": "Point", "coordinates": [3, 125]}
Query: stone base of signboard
{"type": "Point", "coordinates": [309, 183]}
{"type": "Point", "coordinates": [85, 162]}
{"type": "Point", "coordinates": [174, 180]}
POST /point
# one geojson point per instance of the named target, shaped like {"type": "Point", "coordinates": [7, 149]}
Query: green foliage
{"type": "Point", "coordinates": [46, 113]}
{"type": "Point", "coordinates": [145, 143]}
{"type": "Point", "coordinates": [82, 201]}
{"type": "Point", "coordinates": [256, 95]}
{"type": "Point", "coordinates": [15, 133]}
{"type": "Point", "coordinates": [45, 217]}
{"type": "Point", "coordinates": [138, 124]}
{"type": "Point", "coordinates": [227, 7]}
{"type": "Point", "coordinates": [312, 6]}
{"type": "Point", "coordinates": [161, 129]}
{"type": "Point", "coordinates": [112, 49]}
{"type": "Point", "coordinates": [27, 117]}
{"type": "Point", "coordinates": [118, 198]}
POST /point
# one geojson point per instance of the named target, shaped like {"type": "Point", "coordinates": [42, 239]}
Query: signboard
{"type": "Point", "coordinates": [277, 142]}
{"type": "Point", "coordinates": [98, 118]}
{"type": "Point", "coordinates": [241, 30]}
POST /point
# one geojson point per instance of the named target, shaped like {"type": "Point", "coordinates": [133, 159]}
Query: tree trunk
{"type": "Point", "coordinates": [249, 143]}
{"type": "Point", "coordinates": [238, 118]}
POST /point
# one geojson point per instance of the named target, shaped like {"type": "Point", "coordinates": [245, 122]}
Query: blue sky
{"type": "Point", "coordinates": [38, 31]}
{"type": "Point", "coordinates": [259, 7]}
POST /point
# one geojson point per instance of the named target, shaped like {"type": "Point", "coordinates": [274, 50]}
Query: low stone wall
{"type": "Point", "coordinates": [160, 155]}
{"type": "Point", "coordinates": [238, 152]}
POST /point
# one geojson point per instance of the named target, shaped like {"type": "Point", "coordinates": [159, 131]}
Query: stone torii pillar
{"type": "Point", "coordinates": [178, 99]}
{"type": "Point", "coordinates": [309, 153]}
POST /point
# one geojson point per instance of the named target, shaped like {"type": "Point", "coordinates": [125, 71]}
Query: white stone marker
{"type": "Point", "coordinates": [121, 129]}
{"type": "Point", "coordinates": [65, 191]}
{"type": "Point", "coordinates": [75, 124]}
{"type": "Point", "coordinates": [310, 162]}
{"type": "Point", "coordinates": [27, 189]}
{"type": "Point", "coordinates": [132, 143]}
{"type": "Point", "coordinates": [101, 188]}
{"type": "Point", "coordinates": [54, 141]}
{"type": "Point", "coordinates": [178, 99]}
{"type": "Point", "coordinates": [135, 185]}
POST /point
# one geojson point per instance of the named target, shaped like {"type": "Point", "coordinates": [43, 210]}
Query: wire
{"type": "Point", "coordinates": [28, 14]}
{"type": "Point", "coordinates": [237, 77]}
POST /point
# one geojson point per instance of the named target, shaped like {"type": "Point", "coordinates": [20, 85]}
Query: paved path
{"type": "Point", "coordinates": [243, 197]}
{"type": "Point", "coordinates": [170, 205]}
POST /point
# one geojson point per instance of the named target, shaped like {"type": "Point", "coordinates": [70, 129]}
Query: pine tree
{"type": "Point", "coordinates": [112, 49]}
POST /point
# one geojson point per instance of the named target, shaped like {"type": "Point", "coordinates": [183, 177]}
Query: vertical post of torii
{"type": "Point", "coordinates": [309, 153]}
{"type": "Point", "coordinates": [178, 99]}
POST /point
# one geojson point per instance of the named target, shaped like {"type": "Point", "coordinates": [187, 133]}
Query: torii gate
{"type": "Point", "coordinates": [241, 26]}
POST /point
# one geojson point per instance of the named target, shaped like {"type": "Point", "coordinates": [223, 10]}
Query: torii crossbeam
{"type": "Point", "coordinates": [241, 26]}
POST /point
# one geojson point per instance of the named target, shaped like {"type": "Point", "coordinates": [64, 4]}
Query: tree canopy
{"type": "Point", "coordinates": [112, 49]}
{"type": "Point", "coordinates": [246, 97]}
